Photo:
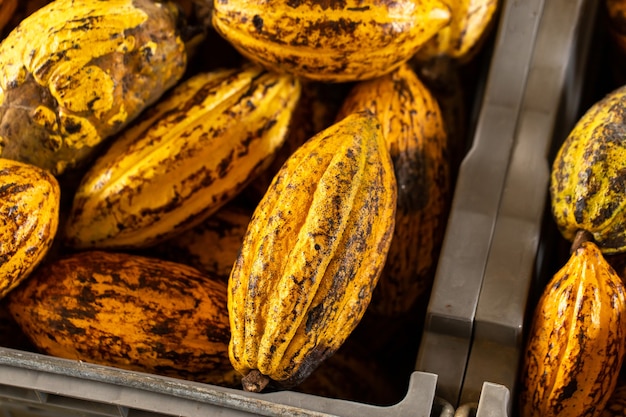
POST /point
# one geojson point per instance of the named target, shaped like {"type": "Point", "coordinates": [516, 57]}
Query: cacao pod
{"type": "Point", "coordinates": [312, 254]}
{"type": "Point", "coordinates": [94, 68]}
{"type": "Point", "coordinates": [29, 217]}
{"type": "Point", "coordinates": [183, 159]}
{"type": "Point", "coordinates": [588, 179]}
{"type": "Point", "coordinates": [326, 40]}
{"type": "Point", "coordinates": [462, 37]}
{"type": "Point", "coordinates": [577, 339]}
{"type": "Point", "coordinates": [128, 311]}
{"type": "Point", "coordinates": [414, 133]}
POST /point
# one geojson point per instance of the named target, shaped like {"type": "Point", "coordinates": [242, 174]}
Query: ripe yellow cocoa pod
{"type": "Point", "coordinates": [329, 41]}
{"type": "Point", "coordinates": [183, 159]}
{"type": "Point", "coordinates": [577, 339]}
{"type": "Point", "coordinates": [462, 37]}
{"type": "Point", "coordinates": [312, 254]}
{"type": "Point", "coordinates": [29, 216]}
{"type": "Point", "coordinates": [413, 128]}
{"type": "Point", "coordinates": [94, 68]}
{"type": "Point", "coordinates": [588, 180]}
{"type": "Point", "coordinates": [131, 312]}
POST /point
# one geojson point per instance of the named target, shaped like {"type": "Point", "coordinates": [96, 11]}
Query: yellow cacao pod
{"type": "Point", "coordinates": [577, 339]}
{"type": "Point", "coordinates": [128, 311]}
{"type": "Point", "coordinates": [183, 159]}
{"type": "Point", "coordinates": [470, 22]}
{"type": "Point", "coordinates": [94, 68]}
{"type": "Point", "coordinates": [29, 217]}
{"type": "Point", "coordinates": [414, 133]}
{"type": "Point", "coordinates": [329, 41]}
{"type": "Point", "coordinates": [588, 180]}
{"type": "Point", "coordinates": [312, 254]}
{"type": "Point", "coordinates": [212, 246]}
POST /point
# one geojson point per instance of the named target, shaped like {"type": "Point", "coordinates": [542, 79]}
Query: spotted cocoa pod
{"type": "Point", "coordinates": [588, 180]}
{"type": "Point", "coordinates": [93, 68]}
{"type": "Point", "coordinates": [312, 254]}
{"type": "Point", "coordinates": [29, 217]}
{"type": "Point", "coordinates": [128, 311]}
{"type": "Point", "coordinates": [577, 339]}
{"type": "Point", "coordinates": [330, 41]}
{"type": "Point", "coordinates": [415, 136]}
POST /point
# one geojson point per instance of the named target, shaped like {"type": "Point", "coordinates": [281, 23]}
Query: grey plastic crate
{"type": "Point", "coordinates": [449, 326]}
{"type": "Point", "coordinates": [549, 109]}
{"type": "Point", "coordinates": [34, 385]}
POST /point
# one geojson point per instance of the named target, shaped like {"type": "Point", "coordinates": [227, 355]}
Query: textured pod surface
{"type": "Point", "coordinates": [588, 180]}
{"type": "Point", "coordinates": [312, 253]}
{"type": "Point", "coordinates": [94, 68]}
{"type": "Point", "coordinates": [329, 41]}
{"type": "Point", "coordinates": [414, 133]}
{"type": "Point", "coordinates": [183, 159]}
{"type": "Point", "coordinates": [212, 246]}
{"type": "Point", "coordinates": [130, 312]}
{"type": "Point", "coordinates": [576, 342]}
{"type": "Point", "coordinates": [469, 24]}
{"type": "Point", "coordinates": [29, 217]}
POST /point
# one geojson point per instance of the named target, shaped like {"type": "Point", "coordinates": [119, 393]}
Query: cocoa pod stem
{"type": "Point", "coordinates": [255, 381]}
{"type": "Point", "coordinates": [580, 237]}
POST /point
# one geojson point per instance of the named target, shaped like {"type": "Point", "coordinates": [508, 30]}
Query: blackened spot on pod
{"type": "Point", "coordinates": [314, 316]}
{"type": "Point", "coordinates": [72, 127]}
{"type": "Point", "coordinates": [6, 190]}
{"type": "Point", "coordinates": [579, 210]}
{"type": "Point", "coordinates": [257, 21]}
{"type": "Point", "coordinates": [266, 127]}
{"type": "Point", "coordinates": [324, 4]}
{"type": "Point", "coordinates": [163, 328]}
{"type": "Point", "coordinates": [568, 390]}
{"type": "Point", "coordinates": [225, 165]}
{"type": "Point", "coordinates": [331, 28]}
